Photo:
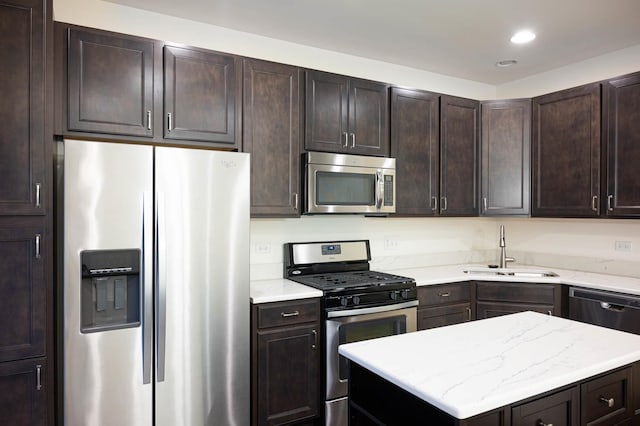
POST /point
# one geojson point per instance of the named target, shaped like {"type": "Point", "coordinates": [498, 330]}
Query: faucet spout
{"type": "Point", "coordinates": [504, 259]}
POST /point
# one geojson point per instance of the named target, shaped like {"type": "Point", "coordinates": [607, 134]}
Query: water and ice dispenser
{"type": "Point", "coordinates": [110, 290]}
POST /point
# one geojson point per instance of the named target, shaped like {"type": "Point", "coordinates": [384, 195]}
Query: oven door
{"type": "Point", "coordinates": [361, 324]}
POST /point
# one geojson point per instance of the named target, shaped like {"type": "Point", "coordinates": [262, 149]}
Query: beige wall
{"type": "Point", "coordinates": [400, 243]}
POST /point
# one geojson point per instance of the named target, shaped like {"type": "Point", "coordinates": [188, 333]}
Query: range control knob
{"type": "Point", "coordinates": [356, 300]}
{"type": "Point", "coordinates": [405, 294]}
{"type": "Point", "coordinates": [344, 301]}
{"type": "Point", "coordinates": [393, 295]}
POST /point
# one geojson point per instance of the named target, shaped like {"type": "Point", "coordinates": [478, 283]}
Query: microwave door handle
{"type": "Point", "coordinates": [379, 189]}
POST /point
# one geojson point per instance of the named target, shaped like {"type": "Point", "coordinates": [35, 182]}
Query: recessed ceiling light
{"type": "Point", "coordinates": [506, 63]}
{"type": "Point", "coordinates": [523, 37]}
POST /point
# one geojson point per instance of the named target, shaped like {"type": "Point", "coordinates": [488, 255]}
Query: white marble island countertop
{"type": "Point", "coordinates": [471, 368]}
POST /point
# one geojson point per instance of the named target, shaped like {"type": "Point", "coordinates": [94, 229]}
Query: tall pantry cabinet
{"type": "Point", "coordinates": [26, 369]}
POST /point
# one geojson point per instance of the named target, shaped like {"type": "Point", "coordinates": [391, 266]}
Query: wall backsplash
{"type": "Point", "coordinates": [398, 243]}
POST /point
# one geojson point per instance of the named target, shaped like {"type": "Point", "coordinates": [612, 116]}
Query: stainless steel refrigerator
{"type": "Point", "coordinates": [155, 285]}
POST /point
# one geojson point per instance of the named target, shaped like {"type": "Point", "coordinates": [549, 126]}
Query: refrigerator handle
{"type": "Point", "coordinates": [147, 292]}
{"type": "Point", "coordinates": [161, 287]}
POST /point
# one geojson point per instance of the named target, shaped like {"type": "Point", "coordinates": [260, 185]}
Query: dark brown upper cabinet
{"type": "Point", "coordinates": [22, 108]}
{"type": "Point", "coordinates": [415, 145]}
{"type": "Point", "coordinates": [202, 92]}
{"type": "Point", "coordinates": [272, 134]}
{"type": "Point", "coordinates": [346, 115]}
{"type": "Point", "coordinates": [622, 100]}
{"type": "Point", "coordinates": [505, 152]}
{"type": "Point", "coordinates": [110, 83]}
{"type": "Point", "coordinates": [459, 156]}
{"type": "Point", "coordinates": [566, 153]}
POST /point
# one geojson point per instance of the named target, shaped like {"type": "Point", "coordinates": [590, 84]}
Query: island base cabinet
{"type": "Point", "coordinates": [607, 400]}
{"type": "Point", "coordinates": [558, 409]}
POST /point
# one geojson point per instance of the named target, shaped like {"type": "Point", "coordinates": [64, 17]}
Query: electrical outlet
{"type": "Point", "coordinates": [623, 246]}
{"type": "Point", "coordinates": [262, 248]}
{"type": "Point", "coordinates": [390, 244]}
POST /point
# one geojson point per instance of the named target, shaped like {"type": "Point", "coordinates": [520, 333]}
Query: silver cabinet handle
{"type": "Point", "coordinates": [315, 339]}
{"type": "Point", "coordinates": [445, 294]}
{"type": "Point", "coordinates": [353, 140]}
{"type": "Point", "coordinates": [484, 204]}
{"type": "Point", "coordinates": [295, 201]}
{"type": "Point", "coordinates": [169, 122]}
{"type": "Point", "coordinates": [38, 377]}
{"type": "Point", "coordinates": [148, 120]}
{"type": "Point", "coordinates": [469, 313]}
{"type": "Point", "coordinates": [610, 203]}
{"type": "Point", "coordinates": [594, 203]}
{"type": "Point", "coordinates": [609, 401]}
{"type": "Point", "coordinates": [443, 203]}
{"type": "Point", "coordinates": [346, 139]}
{"type": "Point", "coordinates": [541, 423]}
{"type": "Point", "coordinates": [37, 242]}
{"type": "Point", "coordinates": [38, 194]}
{"type": "Point", "coordinates": [434, 203]}
{"type": "Point", "coordinates": [549, 313]}
{"type": "Point", "coordinates": [290, 314]}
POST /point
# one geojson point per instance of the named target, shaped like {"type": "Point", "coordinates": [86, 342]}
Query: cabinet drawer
{"type": "Point", "coordinates": [285, 313]}
{"type": "Point", "coordinates": [606, 400]}
{"type": "Point", "coordinates": [516, 292]}
{"type": "Point", "coordinates": [560, 408]}
{"type": "Point", "coordinates": [444, 294]}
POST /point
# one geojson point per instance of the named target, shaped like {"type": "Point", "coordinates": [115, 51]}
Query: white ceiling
{"type": "Point", "coordinates": [459, 38]}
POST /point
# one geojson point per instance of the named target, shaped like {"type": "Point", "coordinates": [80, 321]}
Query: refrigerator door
{"type": "Point", "coordinates": [202, 308]}
{"type": "Point", "coordinates": [104, 208]}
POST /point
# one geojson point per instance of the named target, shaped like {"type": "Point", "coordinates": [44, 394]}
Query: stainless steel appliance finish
{"type": "Point", "coordinates": [358, 304]}
{"type": "Point", "coordinates": [187, 212]}
{"type": "Point", "coordinates": [341, 183]}
{"type": "Point", "coordinates": [606, 309]}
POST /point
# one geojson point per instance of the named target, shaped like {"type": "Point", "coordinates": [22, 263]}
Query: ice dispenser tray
{"type": "Point", "coordinates": [110, 291]}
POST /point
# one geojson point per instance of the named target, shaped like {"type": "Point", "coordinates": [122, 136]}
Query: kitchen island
{"type": "Point", "coordinates": [524, 368]}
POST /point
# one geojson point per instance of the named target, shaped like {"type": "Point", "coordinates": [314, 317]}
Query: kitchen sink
{"type": "Point", "coordinates": [531, 273]}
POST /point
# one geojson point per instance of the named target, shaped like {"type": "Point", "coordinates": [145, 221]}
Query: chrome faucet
{"type": "Point", "coordinates": [503, 254]}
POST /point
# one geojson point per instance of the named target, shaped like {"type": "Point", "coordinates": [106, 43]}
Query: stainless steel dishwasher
{"type": "Point", "coordinates": [605, 308]}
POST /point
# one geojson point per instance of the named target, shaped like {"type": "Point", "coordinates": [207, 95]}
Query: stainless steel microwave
{"type": "Point", "coordinates": [341, 183]}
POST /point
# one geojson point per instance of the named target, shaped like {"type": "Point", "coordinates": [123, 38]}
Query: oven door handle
{"type": "Point", "coordinates": [374, 310]}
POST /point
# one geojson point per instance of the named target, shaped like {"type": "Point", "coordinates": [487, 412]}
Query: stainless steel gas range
{"type": "Point", "coordinates": [358, 304]}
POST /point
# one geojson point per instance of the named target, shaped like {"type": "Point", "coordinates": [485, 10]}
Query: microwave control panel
{"type": "Point", "coordinates": [388, 190]}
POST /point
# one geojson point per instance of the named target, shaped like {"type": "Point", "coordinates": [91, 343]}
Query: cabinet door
{"type": "Point", "coordinates": [327, 113]}
{"type": "Point", "coordinates": [22, 286]}
{"type": "Point", "coordinates": [566, 153]}
{"type": "Point", "coordinates": [458, 156]}
{"type": "Point", "coordinates": [444, 315]}
{"type": "Point", "coordinates": [201, 95]}
{"type": "Point", "coordinates": [505, 157]}
{"type": "Point", "coordinates": [623, 147]}
{"type": "Point", "coordinates": [496, 309]}
{"type": "Point", "coordinates": [22, 393]}
{"type": "Point", "coordinates": [607, 399]}
{"type": "Point", "coordinates": [558, 409]}
{"type": "Point", "coordinates": [272, 135]}
{"type": "Point", "coordinates": [22, 107]}
{"type": "Point", "coordinates": [288, 374]}
{"type": "Point", "coordinates": [415, 145]}
{"type": "Point", "coordinates": [368, 118]}
{"type": "Point", "coordinates": [110, 83]}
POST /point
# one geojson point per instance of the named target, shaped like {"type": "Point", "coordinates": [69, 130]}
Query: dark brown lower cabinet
{"type": "Point", "coordinates": [444, 315]}
{"type": "Point", "coordinates": [558, 409]}
{"type": "Point", "coordinates": [607, 400]}
{"type": "Point", "coordinates": [285, 362]}
{"type": "Point", "coordinates": [502, 298]}
{"type": "Point", "coordinates": [22, 394]}
{"type": "Point", "coordinates": [445, 304]}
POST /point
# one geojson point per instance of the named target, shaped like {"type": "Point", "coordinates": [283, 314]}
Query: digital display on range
{"type": "Point", "coordinates": [331, 249]}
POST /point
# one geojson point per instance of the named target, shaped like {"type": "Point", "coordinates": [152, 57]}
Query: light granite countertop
{"type": "Point", "coordinates": [471, 368]}
{"type": "Point", "coordinates": [263, 291]}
